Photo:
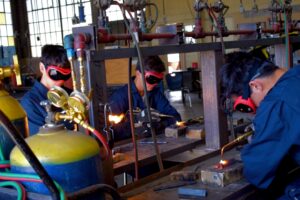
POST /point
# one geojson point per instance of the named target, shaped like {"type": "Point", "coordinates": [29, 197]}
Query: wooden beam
{"type": "Point", "coordinates": [214, 118]}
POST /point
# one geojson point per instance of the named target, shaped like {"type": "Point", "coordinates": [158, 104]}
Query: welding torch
{"type": "Point", "coordinates": [235, 141]}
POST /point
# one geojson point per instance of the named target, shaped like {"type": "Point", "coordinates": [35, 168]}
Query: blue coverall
{"type": "Point", "coordinates": [36, 113]}
{"type": "Point", "coordinates": [157, 100]}
{"type": "Point", "coordinates": [277, 133]}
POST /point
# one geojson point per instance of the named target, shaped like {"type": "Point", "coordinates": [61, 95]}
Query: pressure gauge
{"type": "Point", "coordinates": [58, 97]}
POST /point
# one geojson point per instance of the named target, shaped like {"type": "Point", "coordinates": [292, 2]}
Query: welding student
{"type": "Point", "coordinates": [275, 146]}
{"type": "Point", "coordinates": [154, 73]}
{"type": "Point", "coordinates": [55, 71]}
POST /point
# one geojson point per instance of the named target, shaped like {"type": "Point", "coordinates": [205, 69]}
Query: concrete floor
{"type": "Point", "coordinates": [192, 108]}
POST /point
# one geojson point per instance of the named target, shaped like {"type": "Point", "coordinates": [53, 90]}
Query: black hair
{"type": "Point", "coordinates": [152, 63]}
{"type": "Point", "coordinates": [239, 69]}
{"type": "Point", "coordinates": [54, 55]}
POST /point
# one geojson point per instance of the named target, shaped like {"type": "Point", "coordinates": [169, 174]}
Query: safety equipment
{"type": "Point", "coordinates": [244, 105]}
{"type": "Point", "coordinates": [58, 73]}
{"type": "Point", "coordinates": [153, 77]}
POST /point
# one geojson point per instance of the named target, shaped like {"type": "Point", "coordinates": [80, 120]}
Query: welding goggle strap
{"type": "Point", "coordinates": [244, 105]}
{"type": "Point", "coordinates": [58, 73]}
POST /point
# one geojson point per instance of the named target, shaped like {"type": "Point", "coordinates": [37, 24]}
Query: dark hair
{"type": "Point", "coordinates": [54, 55]}
{"type": "Point", "coordinates": [239, 69]}
{"type": "Point", "coordinates": [152, 63]}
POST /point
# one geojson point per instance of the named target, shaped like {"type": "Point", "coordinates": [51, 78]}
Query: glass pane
{"type": "Point", "coordinates": [7, 7]}
{"type": "Point", "coordinates": [8, 19]}
{"type": "Point", "coordinates": [11, 41]}
{"type": "Point", "coordinates": [41, 27]}
{"type": "Point", "coordinates": [28, 5]}
{"type": "Point", "coordinates": [34, 52]}
{"type": "Point", "coordinates": [88, 19]}
{"type": "Point", "coordinates": [59, 39]}
{"type": "Point", "coordinates": [32, 40]}
{"type": "Point", "coordinates": [40, 15]}
{"type": "Point", "coordinates": [65, 23]}
{"type": "Point", "coordinates": [53, 38]}
{"type": "Point", "coordinates": [29, 17]}
{"type": "Point", "coordinates": [52, 26]}
{"type": "Point", "coordinates": [46, 14]}
{"type": "Point", "coordinates": [10, 30]}
{"type": "Point", "coordinates": [47, 27]}
{"type": "Point", "coordinates": [43, 39]}
{"type": "Point", "coordinates": [39, 4]}
{"type": "Point", "coordinates": [63, 2]}
{"type": "Point", "coordinates": [3, 31]}
{"type": "Point", "coordinates": [51, 14]}
{"type": "Point", "coordinates": [87, 8]}
{"type": "Point", "coordinates": [57, 25]}
{"type": "Point", "coordinates": [64, 12]}
{"type": "Point", "coordinates": [30, 28]}
{"type": "Point", "coordinates": [2, 18]}
{"type": "Point", "coordinates": [1, 7]}
{"type": "Point", "coordinates": [33, 4]}
{"type": "Point", "coordinates": [55, 3]}
{"type": "Point", "coordinates": [4, 41]}
{"type": "Point", "coordinates": [70, 11]}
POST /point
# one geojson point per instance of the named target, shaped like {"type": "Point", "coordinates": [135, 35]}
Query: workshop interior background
{"type": "Point", "coordinates": [27, 25]}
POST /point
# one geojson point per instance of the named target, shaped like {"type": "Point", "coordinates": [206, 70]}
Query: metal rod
{"type": "Point", "coordinates": [109, 38]}
{"type": "Point", "coordinates": [29, 155]}
{"type": "Point", "coordinates": [130, 101]}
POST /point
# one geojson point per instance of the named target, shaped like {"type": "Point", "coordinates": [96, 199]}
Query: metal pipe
{"type": "Point", "coordinates": [16, 136]}
{"type": "Point", "coordinates": [104, 37]}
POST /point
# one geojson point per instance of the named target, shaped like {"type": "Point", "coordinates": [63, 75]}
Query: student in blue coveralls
{"type": "Point", "coordinates": [154, 73]}
{"type": "Point", "coordinates": [55, 69]}
{"type": "Point", "coordinates": [275, 146]}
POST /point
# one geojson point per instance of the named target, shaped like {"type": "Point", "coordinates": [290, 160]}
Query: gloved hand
{"type": "Point", "coordinates": [248, 128]}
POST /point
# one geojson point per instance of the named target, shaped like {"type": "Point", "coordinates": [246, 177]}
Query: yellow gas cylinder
{"type": "Point", "coordinates": [14, 111]}
{"type": "Point", "coordinates": [71, 158]}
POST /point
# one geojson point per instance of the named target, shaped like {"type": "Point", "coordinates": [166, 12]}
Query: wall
{"type": "Point", "coordinates": [173, 11]}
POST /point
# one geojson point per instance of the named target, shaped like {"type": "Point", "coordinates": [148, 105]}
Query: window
{"type": "Point", "coordinates": [174, 59]}
{"type": "Point", "coordinates": [114, 12]}
{"type": "Point", "coordinates": [7, 44]}
{"type": "Point", "coordinates": [49, 21]}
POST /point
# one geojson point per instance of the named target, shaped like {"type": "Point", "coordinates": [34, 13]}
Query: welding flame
{"type": "Point", "coordinates": [116, 118]}
{"type": "Point", "coordinates": [180, 123]}
{"type": "Point", "coordinates": [223, 162]}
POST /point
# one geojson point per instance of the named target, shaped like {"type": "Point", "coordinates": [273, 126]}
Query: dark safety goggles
{"type": "Point", "coordinates": [58, 73]}
{"type": "Point", "coordinates": [153, 78]}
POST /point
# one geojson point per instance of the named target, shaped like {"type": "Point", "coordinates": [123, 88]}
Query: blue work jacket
{"type": "Point", "coordinates": [36, 113]}
{"type": "Point", "coordinates": [158, 101]}
{"type": "Point", "coordinates": [277, 132]}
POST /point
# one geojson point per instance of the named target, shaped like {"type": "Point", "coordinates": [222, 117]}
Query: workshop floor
{"type": "Point", "coordinates": [193, 107]}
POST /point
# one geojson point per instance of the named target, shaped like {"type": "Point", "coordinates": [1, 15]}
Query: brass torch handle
{"type": "Point", "coordinates": [237, 140]}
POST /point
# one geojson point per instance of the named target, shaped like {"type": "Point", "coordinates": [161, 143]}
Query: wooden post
{"type": "Point", "coordinates": [215, 122]}
{"type": "Point", "coordinates": [280, 56]}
